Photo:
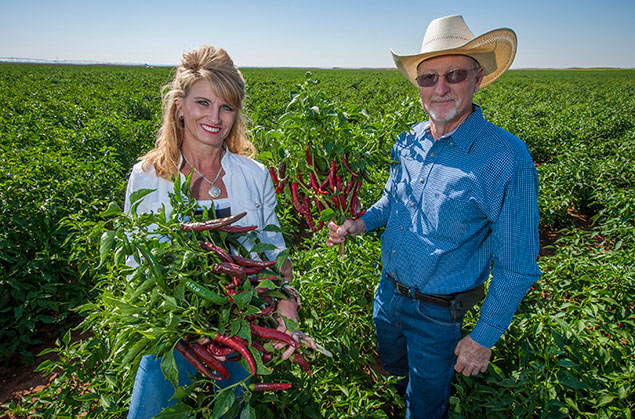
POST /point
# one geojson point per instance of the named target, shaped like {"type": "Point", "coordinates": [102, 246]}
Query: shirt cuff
{"type": "Point", "coordinates": [369, 221]}
{"type": "Point", "coordinates": [485, 334]}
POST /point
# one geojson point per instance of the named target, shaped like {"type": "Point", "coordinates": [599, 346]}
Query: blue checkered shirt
{"type": "Point", "coordinates": [458, 209]}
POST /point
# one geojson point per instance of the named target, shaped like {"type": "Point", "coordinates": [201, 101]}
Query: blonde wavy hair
{"type": "Point", "coordinates": [215, 66]}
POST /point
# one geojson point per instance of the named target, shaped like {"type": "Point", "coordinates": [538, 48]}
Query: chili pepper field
{"type": "Point", "coordinates": [69, 136]}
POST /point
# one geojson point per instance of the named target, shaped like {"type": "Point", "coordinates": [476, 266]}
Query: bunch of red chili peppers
{"type": "Point", "coordinates": [204, 352]}
{"type": "Point", "coordinates": [334, 189]}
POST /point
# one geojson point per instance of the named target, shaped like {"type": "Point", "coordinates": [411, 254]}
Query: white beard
{"type": "Point", "coordinates": [449, 115]}
{"type": "Point", "coordinates": [445, 118]}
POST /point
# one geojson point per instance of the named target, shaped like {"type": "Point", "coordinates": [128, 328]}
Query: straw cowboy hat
{"type": "Point", "coordinates": [494, 50]}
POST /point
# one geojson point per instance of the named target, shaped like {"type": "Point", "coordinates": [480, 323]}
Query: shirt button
{"type": "Point", "coordinates": [412, 204]}
{"type": "Point", "coordinates": [431, 154]}
{"type": "Point", "coordinates": [401, 228]}
{"type": "Point", "coordinates": [257, 205]}
{"type": "Point", "coordinates": [394, 251]}
{"type": "Point", "coordinates": [451, 142]}
{"type": "Point", "coordinates": [421, 180]}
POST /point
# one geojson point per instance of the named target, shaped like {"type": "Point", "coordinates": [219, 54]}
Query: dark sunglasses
{"type": "Point", "coordinates": [451, 77]}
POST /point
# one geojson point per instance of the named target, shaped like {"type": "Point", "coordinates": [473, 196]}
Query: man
{"type": "Point", "coordinates": [460, 205]}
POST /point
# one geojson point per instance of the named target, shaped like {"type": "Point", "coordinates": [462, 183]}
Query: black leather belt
{"type": "Point", "coordinates": [412, 292]}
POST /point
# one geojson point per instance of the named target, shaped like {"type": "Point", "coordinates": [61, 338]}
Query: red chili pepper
{"type": "Point", "coordinates": [228, 268]}
{"type": "Point", "coordinates": [282, 171]}
{"type": "Point", "coordinates": [256, 281]}
{"type": "Point", "coordinates": [342, 201]}
{"type": "Point", "coordinates": [318, 204]}
{"type": "Point", "coordinates": [220, 252]}
{"type": "Point", "coordinates": [336, 201]}
{"type": "Point", "coordinates": [338, 183]}
{"type": "Point", "coordinates": [253, 271]}
{"type": "Point", "coordinates": [326, 182]}
{"type": "Point", "coordinates": [309, 157]}
{"type": "Point", "coordinates": [294, 196]}
{"type": "Point", "coordinates": [258, 345]}
{"type": "Point", "coordinates": [347, 165]}
{"type": "Point", "coordinates": [332, 174]}
{"type": "Point", "coordinates": [189, 355]}
{"type": "Point", "coordinates": [251, 263]}
{"type": "Point", "coordinates": [239, 347]}
{"type": "Point", "coordinates": [306, 205]}
{"type": "Point", "coordinates": [237, 229]}
{"type": "Point", "coordinates": [314, 184]}
{"type": "Point", "coordinates": [280, 188]}
{"type": "Point", "coordinates": [354, 197]}
{"type": "Point", "coordinates": [212, 224]}
{"type": "Point", "coordinates": [269, 386]}
{"type": "Point", "coordinates": [267, 333]}
{"type": "Point", "coordinates": [296, 199]}
{"type": "Point", "coordinates": [301, 360]}
{"type": "Point", "coordinates": [266, 357]}
{"type": "Point", "coordinates": [274, 177]}
{"type": "Point", "coordinates": [310, 222]}
{"type": "Point", "coordinates": [219, 350]}
{"type": "Point", "coordinates": [204, 355]}
{"type": "Point", "coordinates": [348, 188]}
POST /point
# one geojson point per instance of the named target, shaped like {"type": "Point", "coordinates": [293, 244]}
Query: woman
{"type": "Point", "coordinates": [204, 131]}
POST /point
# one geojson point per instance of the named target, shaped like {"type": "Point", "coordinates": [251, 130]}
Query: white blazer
{"type": "Point", "coordinates": [249, 187]}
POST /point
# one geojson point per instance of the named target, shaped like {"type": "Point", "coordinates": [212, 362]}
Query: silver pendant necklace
{"type": "Point", "coordinates": [213, 191]}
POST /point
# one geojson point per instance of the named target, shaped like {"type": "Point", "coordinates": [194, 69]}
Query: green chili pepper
{"type": "Point", "coordinates": [204, 292]}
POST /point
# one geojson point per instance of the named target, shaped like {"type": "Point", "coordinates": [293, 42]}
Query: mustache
{"type": "Point", "coordinates": [443, 98]}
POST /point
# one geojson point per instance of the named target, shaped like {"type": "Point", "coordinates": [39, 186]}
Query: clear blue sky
{"type": "Point", "coordinates": [320, 33]}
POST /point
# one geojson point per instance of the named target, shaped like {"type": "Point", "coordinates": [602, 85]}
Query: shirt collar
{"type": "Point", "coordinates": [467, 132]}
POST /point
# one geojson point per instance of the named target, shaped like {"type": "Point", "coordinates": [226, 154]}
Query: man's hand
{"type": "Point", "coordinates": [472, 357]}
{"type": "Point", "coordinates": [350, 227]}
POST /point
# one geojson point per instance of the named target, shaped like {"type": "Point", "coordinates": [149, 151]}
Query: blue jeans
{"type": "Point", "coordinates": [152, 391]}
{"type": "Point", "coordinates": [416, 340]}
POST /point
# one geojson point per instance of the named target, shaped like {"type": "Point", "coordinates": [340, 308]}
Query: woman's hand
{"type": "Point", "coordinates": [285, 270]}
{"type": "Point", "coordinates": [289, 309]}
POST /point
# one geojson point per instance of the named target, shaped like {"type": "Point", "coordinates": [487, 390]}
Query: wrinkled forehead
{"type": "Point", "coordinates": [446, 62]}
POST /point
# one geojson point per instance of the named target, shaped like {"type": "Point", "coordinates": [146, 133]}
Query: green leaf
{"type": "Point", "coordinates": [605, 399]}
{"type": "Point", "coordinates": [136, 197]}
{"type": "Point", "coordinates": [112, 211]}
{"type": "Point", "coordinates": [178, 411]}
{"type": "Point", "coordinates": [242, 299]}
{"type": "Point", "coordinates": [268, 284]}
{"type": "Point", "coordinates": [105, 245]}
{"type": "Point", "coordinates": [67, 337]}
{"type": "Point", "coordinates": [281, 258]}
{"type": "Point", "coordinates": [573, 383]}
{"type": "Point", "coordinates": [187, 258]}
{"type": "Point", "coordinates": [248, 412]}
{"type": "Point", "coordinates": [262, 247]}
{"type": "Point", "coordinates": [327, 215]}
{"type": "Point", "coordinates": [272, 228]}
{"type": "Point", "coordinates": [223, 402]}
{"type": "Point", "coordinates": [168, 366]}
{"type": "Point", "coordinates": [265, 156]}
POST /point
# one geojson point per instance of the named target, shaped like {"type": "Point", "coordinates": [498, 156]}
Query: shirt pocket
{"type": "Point", "coordinates": [448, 217]}
{"type": "Point", "coordinates": [255, 212]}
{"type": "Point", "coordinates": [403, 176]}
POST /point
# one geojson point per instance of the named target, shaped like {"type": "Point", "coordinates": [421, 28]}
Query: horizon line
{"type": "Point", "coordinates": [43, 61]}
